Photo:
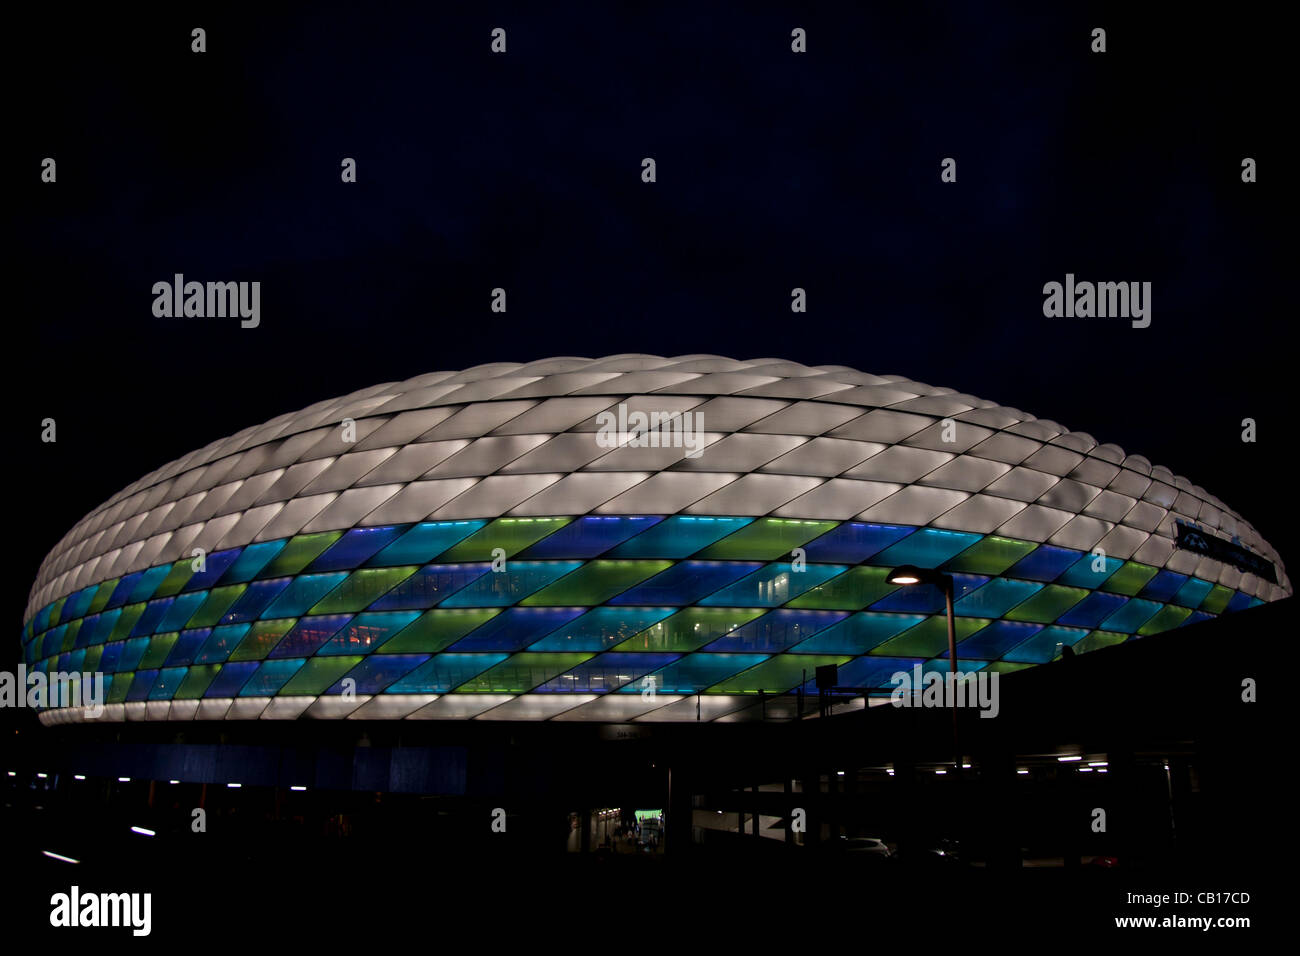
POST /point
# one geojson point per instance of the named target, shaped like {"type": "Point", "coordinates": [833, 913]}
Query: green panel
{"type": "Point", "coordinates": [160, 646]}
{"type": "Point", "coordinates": [197, 681]}
{"type": "Point", "coordinates": [522, 672]}
{"type": "Point", "coordinates": [261, 637]}
{"type": "Point", "coordinates": [1005, 667]}
{"type": "Point", "coordinates": [690, 628]}
{"type": "Point", "coordinates": [214, 608]}
{"type": "Point", "coordinates": [57, 611]}
{"type": "Point", "coordinates": [125, 621]}
{"type": "Point", "coordinates": [1047, 605]}
{"type": "Point", "coordinates": [121, 684]}
{"type": "Point", "coordinates": [436, 629]}
{"type": "Point", "coordinates": [1217, 599]}
{"type": "Point", "coordinates": [850, 591]}
{"type": "Point", "coordinates": [766, 539]}
{"type": "Point", "coordinates": [596, 582]}
{"type": "Point", "coordinates": [1099, 639]}
{"type": "Point", "coordinates": [90, 663]}
{"type": "Point", "coordinates": [1129, 579]}
{"type": "Point", "coordinates": [101, 597]}
{"type": "Point", "coordinates": [70, 636]}
{"type": "Point", "coordinates": [929, 638]}
{"type": "Point", "coordinates": [510, 534]}
{"type": "Point", "coordinates": [776, 675]}
{"type": "Point", "coordinates": [991, 556]}
{"type": "Point", "coordinates": [176, 579]}
{"type": "Point", "coordinates": [298, 553]}
{"type": "Point", "coordinates": [361, 589]}
{"type": "Point", "coordinates": [318, 675]}
{"type": "Point", "coordinates": [1167, 618]}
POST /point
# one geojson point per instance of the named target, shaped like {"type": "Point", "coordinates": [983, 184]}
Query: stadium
{"type": "Point", "coordinates": [482, 545]}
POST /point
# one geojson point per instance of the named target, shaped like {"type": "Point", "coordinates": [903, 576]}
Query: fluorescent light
{"type": "Point", "coordinates": [234, 786]}
{"type": "Point", "coordinates": [123, 779]}
{"type": "Point", "coordinates": [965, 766]}
{"type": "Point", "coordinates": [297, 788]}
{"type": "Point", "coordinates": [1085, 770]}
{"type": "Point", "coordinates": [60, 857]}
{"type": "Point", "coordinates": [142, 831]}
{"type": "Point", "coordinates": [173, 781]}
{"type": "Point", "coordinates": [80, 776]}
{"type": "Point", "coordinates": [1068, 759]}
{"type": "Point", "coordinates": [941, 771]}
{"type": "Point", "coordinates": [42, 776]}
{"type": "Point", "coordinates": [839, 773]}
{"type": "Point", "coordinates": [12, 774]}
{"type": "Point", "coordinates": [1098, 763]}
{"type": "Point", "coordinates": [1102, 770]}
{"type": "Point", "coordinates": [1022, 771]}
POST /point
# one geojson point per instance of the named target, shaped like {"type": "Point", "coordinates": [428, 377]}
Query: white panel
{"type": "Point", "coordinates": [579, 493]}
{"type": "Point", "coordinates": [1145, 516]}
{"type": "Point", "coordinates": [157, 709]}
{"type": "Point", "coordinates": [823, 457]}
{"type": "Point", "coordinates": [966, 473]}
{"type": "Point", "coordinates": [253, 489]}
{"type": "Point", "coordinates": [347, 470]}
{"type": "Point", "coordinates": [1109, 506]}
{"type": "Point", "coordinates": [964, 437]}
{"type": "Point", "coordinates": [334, 706]}
{"type": "Point", "coordinates": [247, 708]}
{"type": "Point", "coordinates": [566, 452]}
{"type": "Point", "coordinates": [405, 427]}
{"type": "Point", "coordinates": [135, 710]}
{"type": "Point", "coordinates": [754, 495]}
{"type": "Point", "coordinates": [720, 383]}
{"type": "Point", "coordinates": [980, 513]}
{"type": "Point", "coordinates": [391, 706]}
{"type": "Point", "coordinates": [1080, 532]}
{"type": "Point", "coordinates": [494, 495]}
{"type": "Point", "coordinates": [536, 706]}
{"type": "Point", "coordinates": [213, 531]}
{"type": "Point", "coordinates": [1130, 483]}
{"type": "Point", "coordinates": [294, 479]}
{"type": "Point", "coordinates": [807, 418]}
{"type": "Point", "coordinates": [1094, 472]}
{"type": "Point", "coordinates": [459, 706]}
{"type": "Point", "coordinates": [729, 414]}
{"type": "Point", "coordinates": [1035, 523]}
{"type": "Point", "coordinates": [476, 420]}
{"type": "Point", "coordinates": [213, 708]}
{"type": "Point", "coordinates": [899, 463]}
{"type": "Point", "coordinates": [1012, 449]}
{"type": "Point", "coordinates": [413, 461]}
{"type": "Point", "coordinates": [797, 388]}
{"type": "Point", "coordinates": [417, 501]}
{"type": "Point", "coordinates": [710, 706]}
{"type": "Point", "coordinates": [485, 455]}
{"type": "Point", "coordinates": [183, 710]}
{"type": "Point", "coordinates": [838, 498]}
{"type": "Point", "coordinates": [295, 515]}
{"type": "Point", "coordinates": [665, 493]}
{"type": "Point", "coordinates": [350, 507]}
{"type": "Point", "coordinates": [740, 452]}
{"type": "Point", "coordinates": [1054, 460]}
{"type": "Point", "coordinates": [883, 425]}
{"type": "Point", "coordinates": [1022, 484]}
{"type": "Point", "coordinates": [632, 458]}
{"type": "Point", "coordinates": [1069, 495]}
{"type": "Point", "coordinates": [553, 415]}
{"type": "Point", "coordinates": [617, 708]}
{"type": "Point", "coordinates": [914, 505]}
{"type": "Point", "coordinates": [287, 708]}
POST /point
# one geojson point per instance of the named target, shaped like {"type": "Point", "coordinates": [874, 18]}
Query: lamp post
{"type": "Point", "coordinates": [909, 575]}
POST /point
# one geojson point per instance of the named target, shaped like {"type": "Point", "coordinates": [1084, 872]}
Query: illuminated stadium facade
{"type": "Point", "coordinates": [472, 545]}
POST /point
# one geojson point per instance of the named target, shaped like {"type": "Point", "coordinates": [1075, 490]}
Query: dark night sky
{"type": "Point", "coordinates": [523, 171]}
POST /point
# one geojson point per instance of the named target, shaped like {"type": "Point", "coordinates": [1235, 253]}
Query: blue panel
{"type": "Point", "coordinates": [429, 586]}
{"type": "Point", "coordinates": [309, 634]}
{"type": "Point", "coordinates": [1093, 609]}
{"type": "Point", "coordinates": [1082, 575]}
{"type": "Point", "coordinates": [1196, 617]}
{"type": "Point", "coordinates": [181, 610]}
{"type": "Point", "coordinates": [304, 593]}
{"type": "Point", "coordinates": [186, 646]}
{"type": "Point", "coordinates": [375, 673]}
{"type": "Point", "coordinates": [940, 665]}
{"type": "Point", "coordinates": [424, 542]}
{"type": "Point", "coordinates": [1131, 616]}
{"type": "Point", "coordinates": [859, 634]}
{"type": "Point", "coordinates": [214, 566]}
{"type": "Point", "coordinates": [854, 541]}
{"type": "Point", "coordinates": [696, 672]}
{"type": "Point", "coordinates": [1193, 593]}
{"type": "Point", "coordinates": [927, 548]}
{"type": "Point", "coordinates": [145, 587]}
{"type": "Point", "coordinates": [141, 685]}
{"type": "Point", "coordinates": [686, 582]}
{"type": "Point", "coordinates": [230, 679]}
{"type": "Point", "coordinates": [131, 653]}
{"type": "Point", "coordinates": [270, 677]}
{"type": "Point", "coordinates": [1045, 563]}
{"type": "Point", "coordinates": [42, 619]}
{"type": "Point", "coordinates": [220, 643]}
{"type": "Point", "coordinates": [991, 642]}
{"type": "Point", "coordinates": [251, 562]}
{"type": "Point", "coordinates": [250, 605]}
{"type": "Point", "coordinates": [777, 630]}
{"type": "Point", "coordinates": [503, 588]}
{"type": "Point", "coordinates": [112, 654]}
{"type": "Point", "coordinates": [679, 536]}
{"type": "Point", "coordinates": [606, 672]}
{"type": "Point", "coordinates": [515, 629]}
{"type": "Point", "coordinates": [71, 661]}
{"type": "Point", "coordinates": [1163, 586]}
{"type": "Point", "coordinates": [871, 671]}
{"type": "Point", "coordinates": [995, 598]}
{"type": "Point", "coordinates": [367, 631]}
{"type": "Point", "coordinates": [1239, 602]}
{"type": "Point", "coordinates": [168, 682]}
{"type": "Point", "coordinates": [445, 672]}
{"type": "Point", "coordinates": [773, 585]}
{"type": "Point", "coordinates": [77, 605]}
{"type": "Point", "coordinates": [590, 536]}
{"type": "Point", "coordinates": [153, 614]}
{"type": "Point", "coordinates": [122, 593]}
{"type": "Point", "coordinates": [1045, 645]}
{"type": "Point", "coordinates": [602, 627]}
{"type": "Point", "coordinates": [53, 640]}
{"type": "Point", "coordinates": [96, 628]}
{"type": "Point", "coordinates": [355, 548]}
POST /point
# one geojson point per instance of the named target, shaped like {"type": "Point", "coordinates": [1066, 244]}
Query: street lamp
{"type": "Point", "coordinates": [910, 574]}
